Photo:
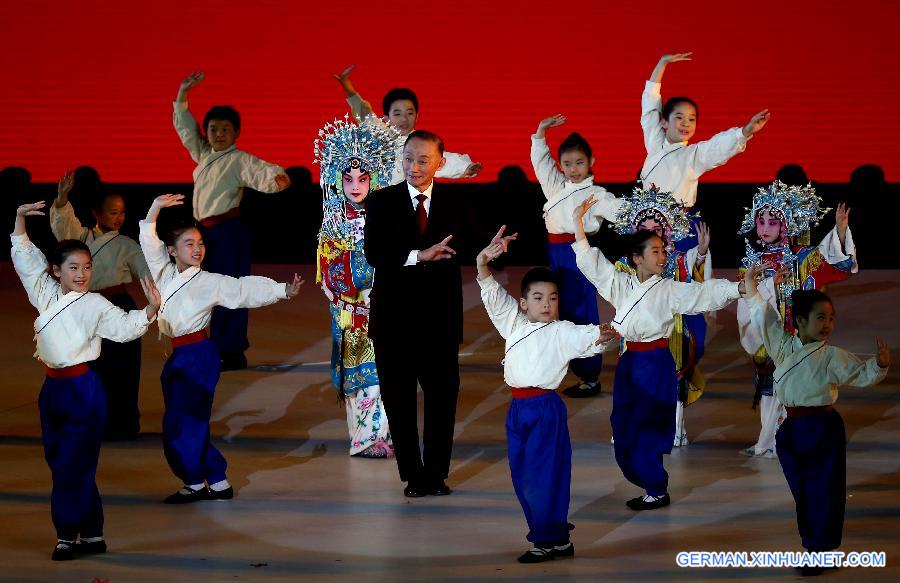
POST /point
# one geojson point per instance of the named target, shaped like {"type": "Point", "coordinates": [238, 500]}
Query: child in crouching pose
{"type": "Point", "coordinates": [537, 354]}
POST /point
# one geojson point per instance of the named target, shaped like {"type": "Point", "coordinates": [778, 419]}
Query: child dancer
{"type": "Point", "coordinates": [565, 190]}
{"type": "Point", "coordinates": [222, 173]}
{"type": "Point", "coordinates": [646, 388]}
{"type": "Point", "coordinates": [190, 374]}
{"type": "Point", "coordinates": [781, 214]}
{"type": "Point", "coordinates": [355, 160]}
{"type": "Point", "coordinates": [72, 402]}
{"type": "Point", "coordinates": [117, 261]}
{"type": "Point", "coordinates": [672, 163]}
{"type": "Point", "coordinates": [652, 210]}
{"type": "Point", "coordinates": [537, 354]}
{"type": "Point", "coordinates": [811, 442]}
{"type": "Point", "coordinates": [401, 109]}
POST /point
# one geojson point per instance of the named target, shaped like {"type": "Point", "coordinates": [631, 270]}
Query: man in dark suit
{"type": "Point", "coordinates": [415, 320]}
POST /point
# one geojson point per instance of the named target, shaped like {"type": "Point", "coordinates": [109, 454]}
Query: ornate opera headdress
{"type": "Point", "coordinates": [367, 144]}
{"type": "Point", "coordinates": [653, 204]}
{"type": "Point", "coordinates": [798, 206]}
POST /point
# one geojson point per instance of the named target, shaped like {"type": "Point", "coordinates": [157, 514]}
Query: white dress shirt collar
{"type": "Point", "coordinates": [413, 191]}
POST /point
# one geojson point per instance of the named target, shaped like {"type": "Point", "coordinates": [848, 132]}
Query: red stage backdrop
{"type": "Point", "coordinates": [91, 82]}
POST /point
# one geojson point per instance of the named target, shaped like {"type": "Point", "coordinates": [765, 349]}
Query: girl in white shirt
{"type": "Point", "coordinates": [68, 331]}
{"type": "Point", "coordinates": [646, 388]}
{"type": "Point", "coordinates": [811, 442]}
{"type": "Point", "coordinates": [190, 374]}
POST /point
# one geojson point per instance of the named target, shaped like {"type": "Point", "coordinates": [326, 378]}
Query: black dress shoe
{"type": "Point", "coordinates": [415, 491]}
{"type": "Point", "coordinates": [566, 549]}
{"type": "Point", "coordinates": [648, 502]}
{"type": "Point", "coordinates": [439, 488]}
{"type": "Point", "coordinates": [187, 495]}
{"type": "Point", "coordinates": [64, 551]}
{"type": "Point", "coordinates": [92, 548]}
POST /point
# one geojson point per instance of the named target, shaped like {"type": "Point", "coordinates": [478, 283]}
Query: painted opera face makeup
{"type": "Point", "coordinates": [769, 227]}
{"type": "Point", "coordinates": [356, 183]}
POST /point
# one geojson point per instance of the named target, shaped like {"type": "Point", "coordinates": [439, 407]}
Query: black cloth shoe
{"type": "Point", "coordinates": [64, 551]}
{"type": "Point", "coordinates": [648, 502]}
{"type": "Point", "coordinates": [233, 361]}
{"type": "Point", "coordinates": [539, 554]}
{"type": "Point", "coordinates": [226, 494]}
{"type": "Point", "coordinates": [566, 549]}
{"type": "Point", "coordinates": [583, 389]}
{"type": "Point", "coordinates": [186, 496]}
{"type": "Point", "coordinates": [414, 490]}
{"type": "Point", "coordinates": [92, 548]}
{"type": "Point", "coordinates": [439, 488]}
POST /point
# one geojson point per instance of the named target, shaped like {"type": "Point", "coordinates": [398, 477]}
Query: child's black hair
{"type": "Point", "coordinates": [428, 137]}
{"type": "Point", "coordinates": [170, 235]}
{"type": "Point", "coordinates": [538, 275]}
{"type": "Point", "coordinates": [396, 94]}
{"type": "Point", "coordinates": [671, 102]}
{"type": "Point", "coordinates": [574, 142]}
{"type": "Point", "coordinates": [63, 249]}
{"type": "Point", "coordinates": [636, 243]}
{"type": "Point", "coordinates": [100, 198]}
{"type": "Point", "coordinates": [803, 301]}
{"type": "Point", "coordinates": [223, 112]}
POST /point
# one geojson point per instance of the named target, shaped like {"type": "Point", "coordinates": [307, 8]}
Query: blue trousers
{"type": "Point", "coordinates": [643, 416]}
{"type": "Point", "coordinates": [813, 455]}
{"type": "Point", "coordinates": [228, 253]}
{"type": "Point", "coordinates": [189, 380]}
{"type": "Point", "coordinates": [540, 461]}
{"type": "Point", "coordinates": [577, 303]}
{"type": "Point", "coordinates": [119, 369]}
{"type": "Point", "coordinates": [73, 415]}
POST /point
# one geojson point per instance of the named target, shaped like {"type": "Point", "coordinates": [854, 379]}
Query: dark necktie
{"type": "Point", "coordinates": [421, 215]}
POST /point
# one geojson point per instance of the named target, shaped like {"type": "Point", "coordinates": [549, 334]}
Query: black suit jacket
{"type": "Point", "coordinates": [422, 302]}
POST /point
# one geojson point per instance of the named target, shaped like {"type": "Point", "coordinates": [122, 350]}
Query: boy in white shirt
{"type": "Point", "coordinates": [117, 261]}
{"type": "Point", "coordinates": [401, 108]}
{"type": "Point", "coordinates": [566, 186]}
{"type": "Point", "coordinates": [538, 349]}
{"type": "Point", "coordinates": [222, 173]}
{"type": "Point", "coordinates": [811, 442]}
{"type": "Point", "coordinates": [68, 332]}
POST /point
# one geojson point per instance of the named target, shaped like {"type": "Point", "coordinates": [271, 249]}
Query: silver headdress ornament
{"type": "Point", "coordinates": [368, 144]}
{"type": "Point", "coordinates": [798, 206]}
{"type": "Point", "coordinates": [651, 203]}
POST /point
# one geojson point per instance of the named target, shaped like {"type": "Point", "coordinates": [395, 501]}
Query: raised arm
{"type": "Point", "coordinates": [764, 317]}
{"type": "Point", "coordinates": [63, 222]}
{"type": "Point", "coordinates": [153, 248]}
{"type": "Point", "coordinates": [458, 166]}
{"type": "Point", "coordinates": [845, 368]}
{"type": "Point", "coordinates": [501, 307]}
{"type": "Point", "coordinates": [660, 68]}
{"type": "Point", "coordinates": [651, 104]}
{"type": "Point", "coordinates": [28, 261]}
{"type": "Point", "coordinates": [251, 291]}
{"type": "Point", "coordinates": [359, 106]}
{"type": "Point", "coordinates": [119, 326]}
{"type": "Point", "coordinates": [582, 341]}
{"type": "Point", "coordinates": [184, 121]}
{"type": "Point", "coordinates": [548, 173]}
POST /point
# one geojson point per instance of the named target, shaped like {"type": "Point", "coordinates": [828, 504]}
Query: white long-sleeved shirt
{"type": "Point", "coordinates": [116, 258]}
{"type": "Point", "coordinates": [189, 297]}
{"type": "Point", "coordinates": [564, 196]}
{"type": "Point", "coordinates": [832, 252]}
{"type": "Point", "coordinates": [220, 177]}
{"type": "Point", "coordinates": [677, 167]}
{"type": "Point", "coordinates": [70, 326]}
{"type": "Point", "coordinates": [808, 375]}
{"type": "Point", "coordinates": [537, 354]}
{"type": "Point", "coordinates": [454, 167]}
{"type": "Point", "coordinates": [645, 311]}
